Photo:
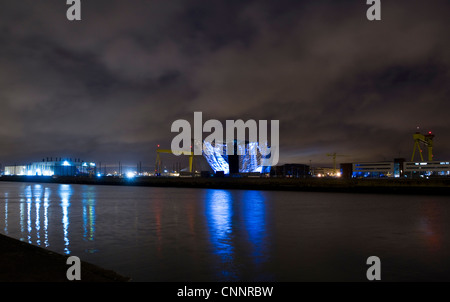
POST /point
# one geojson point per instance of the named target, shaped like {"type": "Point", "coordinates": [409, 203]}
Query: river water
{"type": "Point", "coordinates": [182, 234]}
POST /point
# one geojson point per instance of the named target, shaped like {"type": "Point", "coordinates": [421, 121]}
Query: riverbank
{"type": "Point", "coordinates": [23, 262]}
{"type": "Point", "coordinates": [437, 186]}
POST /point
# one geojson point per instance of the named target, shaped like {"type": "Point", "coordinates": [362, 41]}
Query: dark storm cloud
{"type": "Point", "coordinates": [109, 87]}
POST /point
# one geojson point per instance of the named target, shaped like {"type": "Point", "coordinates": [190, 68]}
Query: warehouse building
{"type": "Point", "coordinates": [50, 167]}
{"type": "Point", "coordinates": [427, 169]}
{"type": "Point", "coordinates": [397, 168]}
{"type": "Point", "coordinates": [373, 170]}
{"type": "Point", "coordinates": [291, 170]}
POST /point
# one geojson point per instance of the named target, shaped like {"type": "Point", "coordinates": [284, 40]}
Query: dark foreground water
{"type": "Point", "coordinates": [173, 234]}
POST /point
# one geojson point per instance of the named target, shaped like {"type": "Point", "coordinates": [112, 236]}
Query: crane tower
{"type": "Point", "coordinates": [427, 140]}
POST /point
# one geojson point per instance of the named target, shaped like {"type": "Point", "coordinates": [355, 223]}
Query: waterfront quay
{"type": "Point", "coordinates": [437, 186]}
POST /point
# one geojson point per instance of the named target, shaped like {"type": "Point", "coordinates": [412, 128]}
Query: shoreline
{"type": "Point", "coordinates": [436, 186]}
{"type": "Point", "coordinates": [24, 262]}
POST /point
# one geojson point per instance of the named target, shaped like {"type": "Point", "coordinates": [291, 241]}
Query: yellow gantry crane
{"type": "Point", "coordinates": [427, 140]}
{"type": "Point", "coordinates": [177, 152]}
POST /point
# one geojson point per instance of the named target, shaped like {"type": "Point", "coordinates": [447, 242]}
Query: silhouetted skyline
{"type": "Point", "coordinates": [108, 87]}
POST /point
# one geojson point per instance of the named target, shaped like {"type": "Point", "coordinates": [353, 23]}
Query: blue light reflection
{"type": "Point", "coordinates": [254, 212]}
{"type": "Point", "coordinates": [237, 226]}
{"type": "Point", "coordinates": [219, 214]}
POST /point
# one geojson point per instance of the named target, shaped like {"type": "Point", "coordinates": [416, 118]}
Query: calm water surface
{"type": "Point", "coordinates": [178, 234]}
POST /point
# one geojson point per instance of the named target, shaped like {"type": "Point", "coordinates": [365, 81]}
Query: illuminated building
{"type": "Point", "coordinates": [373, 170]}
{"type": "Point", "coordinates": [397, 168]}
{"type": "Point", "coordinates": [324, 172]}
{"type": "Point", "coordinates": [246, 158]}
{"type": "Point", "coordinates": [58, 167]}
{"type": "Point", "coordinates": [426, 169]}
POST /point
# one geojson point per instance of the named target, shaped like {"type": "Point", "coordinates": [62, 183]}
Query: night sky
{"type": "Point", "coordinates": [107, 88]}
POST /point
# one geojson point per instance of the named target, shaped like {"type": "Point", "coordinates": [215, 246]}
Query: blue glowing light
{"type": "Point", "coordinates": [254, 213]}
{"type": "Point", "coordinates": [232, 215]}
{"type": "Point", "coordinates": [250, 159]}
{"type": "Point", "coordinates": [219, 212]}
{"type": "Point", "coordinates": [214, 157]}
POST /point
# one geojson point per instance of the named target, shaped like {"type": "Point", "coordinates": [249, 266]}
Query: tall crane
{"type": "Point", "coordinates": [334, 155]}
{"type": "Point", "coordinates": [427, 140]}
{"type": "Point", "coordinates": [158, 158]}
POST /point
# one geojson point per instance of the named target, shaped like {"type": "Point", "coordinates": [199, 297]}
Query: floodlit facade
{"type": "Point", "coordinates": [400, 168]}
{"type": "Point", "coordinates": [431, 168]}
{"type": "Point", "coordinates": [250, 161]}
{"type": "Point", "coordinates": [378, 169]}
{"type": "Point", "coordinates": [15, 170]}
{"type": "Point", "coordinates": [52, 168]}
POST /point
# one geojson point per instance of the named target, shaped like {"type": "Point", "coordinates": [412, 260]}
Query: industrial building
{"type": "Point", "coordinates": [250, 161]}
{"type": "Point", "coordinates": [431, 168]}
{"type": "Point", "coordinates": [50, 167]}
{"type": "Point", "coordinates": [399, 167]}
{"type": "Point", "coordinates": [291, 170]}
{"type": "Point", "coordinates": [375, 169]}
{"type": "Point", "coordinates": [396, 168]}
{"type": "Point", "coordinates": [382, 169]}
{"type": "Point", "coordinates": [325, 172]}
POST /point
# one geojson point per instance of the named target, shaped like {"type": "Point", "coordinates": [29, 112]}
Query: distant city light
{"type": "Point", "coordinates": [130, 175]}
{"type": "Point", "coordinates": [52, 168]}
{"type": "Point", "coordinates": [48, 173]}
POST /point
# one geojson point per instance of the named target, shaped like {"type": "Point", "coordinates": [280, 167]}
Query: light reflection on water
{"type": "Point", "coordinates": [33, 201]}
{"type": "Point", "coordinates": [89, 196]}
{"type": "Point", "coordinates": [170, 234]}
{"type": "Point", "coordinates": [255, 221]}
{"type": "Point", "coordinates": [231, 217]}
{"type": "Point", "coordinates": [219, 215]}
{"type": "Point", "coordinates": [65, 191]}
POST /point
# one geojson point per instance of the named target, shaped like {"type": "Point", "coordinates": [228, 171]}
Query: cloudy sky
{"type": "Point", "coordinates": [107, 88]}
